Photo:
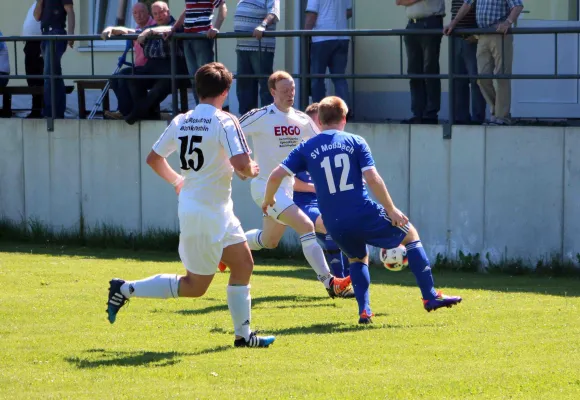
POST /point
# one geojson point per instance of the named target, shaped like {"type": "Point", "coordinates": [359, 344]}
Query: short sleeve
{"type": "Point", "coordinates": [274, 8]}
{"type": "Point", "coordinates": [365, 158]}
{"type": "Point", "coordinates": [313, 6]}
{"type": "Point", "coordinates": [295, 162]}
{"type": "Point", "coordinates": [217, 3]}
{"type": "Point", "coordinates": [232, 137]}
{"type": "Point", "coordinates": [250, 121]}
{"type": "Point", "coordinates": [312, 129]}
{"type": "Point", "coordinates": [167, 142]}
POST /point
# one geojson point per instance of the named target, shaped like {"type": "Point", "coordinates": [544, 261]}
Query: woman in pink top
{"type": "Point", "coordinates": [142, 19]}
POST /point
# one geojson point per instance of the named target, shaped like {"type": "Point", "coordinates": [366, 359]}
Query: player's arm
{"type": "Point", "coordinates": [274, 182]}
{"type": "Point", "coordinates": [233, 140]}
{"type": "Point", "coordinates": [165, 145]}
{"type": "Point", "coordinates": [379, 190]}
{"type": "Point", "coordinates": [301, 186]}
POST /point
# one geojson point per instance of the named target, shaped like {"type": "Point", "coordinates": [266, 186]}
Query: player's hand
{"type": "Point", "coordinates": [397, 217]}
{"type": "Point", "coordinates": [179, 186]}
{"type": "Point", "coordinates": [254, 169]}
{"type": "Point", "coordinates": [267, 203]}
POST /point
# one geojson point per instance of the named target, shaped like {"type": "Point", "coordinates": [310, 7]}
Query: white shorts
{"type": "Point", "coordinates": [283, 198]}
{"type": "Point", "coordinates": [204, 233]}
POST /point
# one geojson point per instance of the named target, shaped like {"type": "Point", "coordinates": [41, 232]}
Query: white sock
{"type": "Point", "coordinates": [240, 304]}
{"type": "Point", "coordinates": [161, 286]}
{"type": "Point", "coordinates": [315, 257]}
{"type": "Point", "coordinates": [254, 238]}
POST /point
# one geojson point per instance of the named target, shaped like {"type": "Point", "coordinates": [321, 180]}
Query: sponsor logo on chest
{"type": "Point", "coordinates": [290, 130]}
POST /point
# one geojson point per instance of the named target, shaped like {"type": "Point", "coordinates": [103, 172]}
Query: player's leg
{"type": "Point", "coordinates": [334, 257]}
{"type": "Point", "coordinates": [268, 237]}
{"type": "Point", "coordinates": [297, 220]}
{"type": "Point", "coordinates": [239, 258]}
{"type": "Point", "coordinates": [354, 247]}
{"type": "Point", "coordinates": [421, 268]}
{"type": "Point", "coordinates": [199, 256]}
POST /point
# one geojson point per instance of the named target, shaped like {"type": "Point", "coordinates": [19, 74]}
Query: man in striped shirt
{"type": "Point", "coordinates": [494, 52]}
{"type": "Point", "coordinates": [465, 62]}
{"type": "Point", "coordinates": [256, 54]}
{"type": "Point", "coordinates": [197, 18]}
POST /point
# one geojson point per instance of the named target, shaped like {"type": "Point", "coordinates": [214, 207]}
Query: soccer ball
{"type": "Point", "coordinates": [394, 259]}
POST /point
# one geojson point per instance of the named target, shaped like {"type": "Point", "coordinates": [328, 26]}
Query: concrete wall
{"type": "Point", "coordinates": [506, 191]}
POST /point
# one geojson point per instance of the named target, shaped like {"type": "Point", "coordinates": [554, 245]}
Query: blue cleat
{"type": "Point", "coordinates": [441, 301]}
{"type": "Point", "coordinates": [116, 299]}
{"type": "Point", "coordinates": [254, 341]}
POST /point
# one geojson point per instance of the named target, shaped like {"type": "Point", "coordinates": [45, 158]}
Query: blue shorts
{"type": "Point", "coordinates": [371, 226]}
{"type": "Point", "coordinates": [311, 210]}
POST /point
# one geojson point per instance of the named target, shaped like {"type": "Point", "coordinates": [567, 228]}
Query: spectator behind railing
{"type": "Point", "coordinates": [197, 18]}
{"type": "Point", "coordinates": [255, 16]}
{"type": "Point", "coordinates": [120, 86]}
{"type": "Point", "coordinates": [158, 53]}
{"type": "Point", "coordinates": [423, 58]}
{"type": "Point", "coordinates": [465, 62]}
{"type": "Point", "coordinates": [53, 16]}
{"type": "Point", "coordinates": [4, 63]}
{"type": "Point", "coordinates": [493, 57]}
{"type": "Point", "coordinates": [328, 51]}
{"type": "Point", "coordinates": [33, 61]}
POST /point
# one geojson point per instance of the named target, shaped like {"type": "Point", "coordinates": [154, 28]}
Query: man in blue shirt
{"type": "Point", "coordinates": [305, 199]}
{"type": "Point", "coordinates": [337, 162]}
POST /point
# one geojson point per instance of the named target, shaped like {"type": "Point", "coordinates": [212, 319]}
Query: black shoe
{"type": "Point", "coordinates": [430, 121]}
{"type": "Point", "coordinates": [116, 299]}
{"type": "Point", "coordinates": [254, 341]}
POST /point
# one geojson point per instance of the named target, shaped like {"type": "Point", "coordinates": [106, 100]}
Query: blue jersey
{"type": "Point", "coordinates": [304, 198]}
{"type": "Point", "coordinates": [336, 161]}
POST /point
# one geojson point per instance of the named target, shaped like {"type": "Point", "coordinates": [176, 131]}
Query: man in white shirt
{"type": "Point", "coordinates": [328, 51]}
{"type": "Point", "coordinates": [276, 130]}
{"type": "Point", "coordinates": [33, 61]}
{"type": "Point", "coordinates": [211, 146]}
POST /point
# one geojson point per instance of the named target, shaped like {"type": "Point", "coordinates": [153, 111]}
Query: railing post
{"type": "Point", "coordinates": [304, 89]}
{"type": "Point", "coordinates": [51, 54]}
{"type": "Point", "coordinates": [172, 48]}
{"type": "Point", "coordinates": [451, 87]}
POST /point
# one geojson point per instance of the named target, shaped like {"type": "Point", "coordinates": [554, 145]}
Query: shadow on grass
{"type": "Point", "coordinates": [95, 358]}
{"type": "Point", "coordinates": [498, 282]}
{"type": "Point", "coordinates": [298, 302]}
{"type": "Point", "coordinates": [329, 328]}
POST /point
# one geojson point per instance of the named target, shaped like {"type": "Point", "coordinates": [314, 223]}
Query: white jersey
{"type": "Point", "coordinates": [274, 134]}
{"type": "Point", "coordinates": [206, 139]}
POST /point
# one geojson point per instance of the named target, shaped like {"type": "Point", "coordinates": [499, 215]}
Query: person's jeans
{"type": "Point", "coordinates": [423, 58]}
{"type": "Point", "coordinates": [198, 52]}
{"type": "Point", "coordinates": [465, 63]}
{"type": "Point", "coordinates": [121, 89]}
{"type": "Point", "coordinates": [4, 81]}
{"type": "Point", "coordinates": [34, 65]}
{"type": "Point", "coordinates": [253, 62]}
{"type": "Point", "coordinates": [59, 89]}
{"type": "Point", "coordinates": [146, 94]}
{"type": "Point", "coordinates": [331, 54]}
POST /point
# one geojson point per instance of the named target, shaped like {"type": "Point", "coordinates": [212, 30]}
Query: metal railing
{"type": "Point", "coordinates": [304, 75]}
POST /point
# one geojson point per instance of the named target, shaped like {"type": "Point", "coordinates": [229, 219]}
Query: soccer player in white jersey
{"type": "Point", "coordinates": [276, 130]}
{"type": "Point", "coordinates": [211, 146]}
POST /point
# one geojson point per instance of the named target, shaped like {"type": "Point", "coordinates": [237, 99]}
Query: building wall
{"type": "Point", "coordinates": [506, 191]}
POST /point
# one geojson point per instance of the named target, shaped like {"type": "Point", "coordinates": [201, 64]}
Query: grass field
{"type": "Point", "coordinates": [512, 337]}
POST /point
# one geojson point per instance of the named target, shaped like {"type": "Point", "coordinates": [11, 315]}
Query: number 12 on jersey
{"type": "Point", "coordinates": [340, 161]}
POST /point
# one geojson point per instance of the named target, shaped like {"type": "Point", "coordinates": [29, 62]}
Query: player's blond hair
{"type": "Point", "coordinates": [277, 77]}
{"type": "Point", "coordinates": [312, 110]}
{"type": "Point", "coordinates": [332, 110]}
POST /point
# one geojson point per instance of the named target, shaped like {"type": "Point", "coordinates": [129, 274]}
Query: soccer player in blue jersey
{"type": "Point", "coordinates": [337, 162]}
{"type": "Point", "coordinates": [305, 199]}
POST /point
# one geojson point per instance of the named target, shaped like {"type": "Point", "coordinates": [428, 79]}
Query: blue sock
{"type": "Point", "coordinates": [419, 264]}
{"type": "Point", "coordinates": [361, 280]}
{"type": "Point", "coordinates": [332, 253]}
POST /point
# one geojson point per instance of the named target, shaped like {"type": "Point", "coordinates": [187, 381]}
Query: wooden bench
{"type": "Point", "coordinates": [9, 91]}
{"type": "Point", "coordinates": [83, 85]}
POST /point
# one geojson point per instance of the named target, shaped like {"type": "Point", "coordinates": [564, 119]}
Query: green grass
{"type": "Point", "coordinates": [512, 337]}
